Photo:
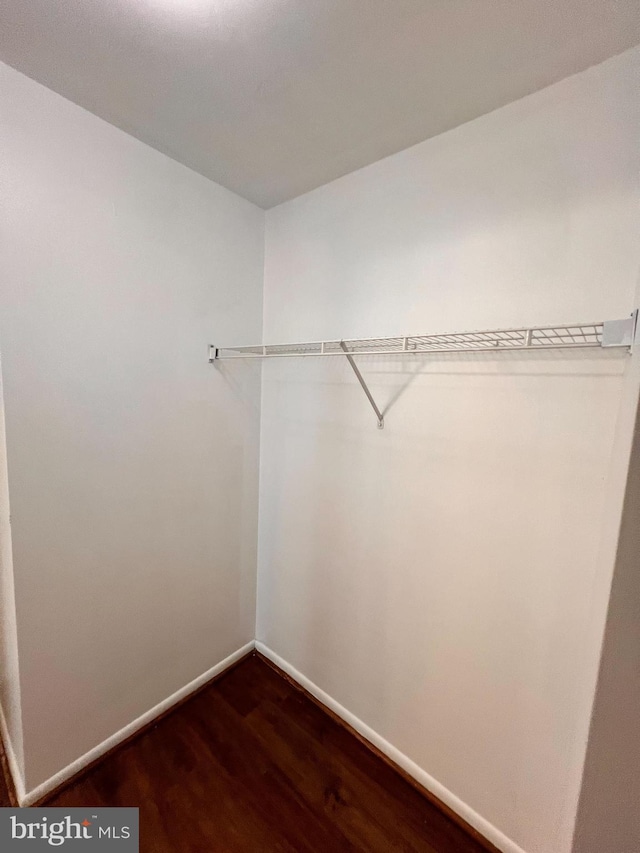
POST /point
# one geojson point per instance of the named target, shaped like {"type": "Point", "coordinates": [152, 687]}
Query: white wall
{"type": "Point", "coordinates": [446, 579]}
{"type": "Point", "coordinates": [132, 462]}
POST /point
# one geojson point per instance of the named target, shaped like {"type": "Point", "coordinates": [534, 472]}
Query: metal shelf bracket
{"type": "Point", "coordinates": [620, 333]}
{"type": "Point", "coordinates": [364, 385]}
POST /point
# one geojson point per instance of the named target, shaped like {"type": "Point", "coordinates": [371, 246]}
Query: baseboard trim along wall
{"type": "Point", "coordinates": [134, 728]}
{"type": "Point", "coordinates": [432, 788]}
{"type": "Point", "coordinates": [10, 768]}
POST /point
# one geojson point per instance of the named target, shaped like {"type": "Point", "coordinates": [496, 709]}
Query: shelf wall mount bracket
{"type": "Point", "coordinates": [364, 385]}
{"type": "Point", "coordinates": [620, 333]}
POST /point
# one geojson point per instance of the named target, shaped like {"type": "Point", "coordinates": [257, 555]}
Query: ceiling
{"type": "Point", "coordinates": [272, 98]}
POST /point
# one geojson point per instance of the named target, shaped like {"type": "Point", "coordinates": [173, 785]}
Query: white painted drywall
{"type": "Point", "coordinates": [133, 463]}
{"type": "Point", "coordinates": [446, 579]}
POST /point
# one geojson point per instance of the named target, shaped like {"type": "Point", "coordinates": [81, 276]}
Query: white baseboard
{"type": "Point", "coordinates": [488, 830]}
{"type": "Point", "coordinates": [27, 799]}
{"type": "Point", "coordinates": [12, 761]}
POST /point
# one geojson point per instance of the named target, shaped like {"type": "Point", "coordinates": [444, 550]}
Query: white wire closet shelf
{"type": "Point", "coordinates": [604, 333]}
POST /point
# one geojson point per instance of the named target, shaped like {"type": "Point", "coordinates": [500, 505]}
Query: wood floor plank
{"type": "Point", "coordinates": [350, 799]}
{"type": "Point", "coordinates": [7, 799]}
{"type": "Point", "coordinates": [4, 794]}
{"type": "Point", "coordinates": [251, 765]}
{"type": "Point", "coordinates": [363, 771]}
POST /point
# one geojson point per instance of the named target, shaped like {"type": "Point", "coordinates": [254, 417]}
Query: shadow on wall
{"type": "Point", "coordinates": [241, 380]}
{"type": "Point", "coordinates": [609, 363]}
{"type": "Point", "coordinates": [393, 376]}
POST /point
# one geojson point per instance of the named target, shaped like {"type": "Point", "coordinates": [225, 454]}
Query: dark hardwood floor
{"type": "Point", "coordinates": [5, 802]}
{"type": "Point", "coordinates": [252, 765]}
{"type": "Point", "coordinates": [5, 799]}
